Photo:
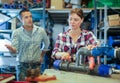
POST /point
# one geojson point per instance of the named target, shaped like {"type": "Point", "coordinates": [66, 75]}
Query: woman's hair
{"type": "Point", "coordinates": [77, 11]}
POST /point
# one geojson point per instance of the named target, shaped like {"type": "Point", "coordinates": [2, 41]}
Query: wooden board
{"type": "Point", "coordinates": [4, 78]}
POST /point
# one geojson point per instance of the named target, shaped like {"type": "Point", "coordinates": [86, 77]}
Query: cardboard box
{"type": "Point", "coordinates": [4, 1]}
{"type": "Point", "coordinates": [9, 1]}
{"type": "Point", "coordinates": [114, 22]}
{"type": "Point", "coordinates": [113, 17]}
{"type": "Point", "coordinates": [57, 4]}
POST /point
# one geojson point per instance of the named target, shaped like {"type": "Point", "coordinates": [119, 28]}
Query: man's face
{"type": "Point", "coordinates": [27, 19]}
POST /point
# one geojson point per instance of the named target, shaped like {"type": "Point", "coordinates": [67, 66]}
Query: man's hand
{"type": "Point", "coordinates": [42, 55]}
{"type": "Point", "coordinates": [12, 49]}
{"type": "Point", "coordinates": [41, 59]}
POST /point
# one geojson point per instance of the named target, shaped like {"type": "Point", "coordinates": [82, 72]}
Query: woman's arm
{"type": "Point", "coordinates": [58, 52]}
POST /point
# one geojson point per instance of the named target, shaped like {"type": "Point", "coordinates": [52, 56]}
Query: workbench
{"type": "Point", "coordinates": [73, 77]}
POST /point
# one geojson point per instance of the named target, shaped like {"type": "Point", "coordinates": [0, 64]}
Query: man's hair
{"type": "Point", "coordinates": [23, 10]}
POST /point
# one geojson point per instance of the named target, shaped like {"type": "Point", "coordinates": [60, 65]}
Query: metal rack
{"type": "Point", "coordinates": [60, 16]}
{"type": "Point", "coordinates": [105, 30]}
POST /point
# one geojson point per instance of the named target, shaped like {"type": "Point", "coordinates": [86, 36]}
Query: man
{"type": "Point", "coordinates": [27, 42]}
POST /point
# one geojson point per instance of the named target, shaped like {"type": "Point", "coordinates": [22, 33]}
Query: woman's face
{"type": "Point", "coordinates": [75, 21]}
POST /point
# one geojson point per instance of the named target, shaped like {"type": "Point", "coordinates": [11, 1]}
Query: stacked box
{"type": "Point", "coordinates": [4, 1]}
{"type": "Point", "coordinates": [57, 4]}
{"type": "Point", "coordinates": [9, 1]}
{"type": "Point", "coordinates": [114, 20]}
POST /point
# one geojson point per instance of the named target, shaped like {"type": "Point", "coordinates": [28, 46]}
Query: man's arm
{"type": "Point", "coordinates": [14, 45]}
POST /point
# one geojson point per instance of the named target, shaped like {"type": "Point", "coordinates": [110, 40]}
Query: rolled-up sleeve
{"type": "Point", "coordinates": [58, 45]}
{"type": "Point", "coordinates": [15, 40]}
{"type": "Point", "coordinates": [91, 39]}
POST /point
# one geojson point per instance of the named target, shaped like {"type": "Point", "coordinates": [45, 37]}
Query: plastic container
{"type": "Point", "coordinates": [110, 3]}
{"type": "Point", "coordinates": [76, 3]}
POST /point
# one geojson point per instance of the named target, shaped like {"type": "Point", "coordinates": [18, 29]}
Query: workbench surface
{"type": "Point", "coordinates": [73, 77]}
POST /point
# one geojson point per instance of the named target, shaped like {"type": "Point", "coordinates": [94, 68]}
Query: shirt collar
{"type": "Point", "coordinates": [67, 32]}
{"type": "Point", "coordinates": [35, 28]}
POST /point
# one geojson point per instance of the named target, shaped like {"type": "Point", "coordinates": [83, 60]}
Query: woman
{"type": "Point", "coordinates": [75, 37]}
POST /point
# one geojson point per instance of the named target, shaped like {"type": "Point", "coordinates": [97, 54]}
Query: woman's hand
{"type": "Point", "coordinates": [63, 56]}
{"type": "Point", "coordinates": [66, 56]}
{"type": "Point", "coordinates": [90, 47]}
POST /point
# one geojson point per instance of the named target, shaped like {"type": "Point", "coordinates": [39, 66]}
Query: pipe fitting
{"type": "Point", "coordinates": [82, 52]}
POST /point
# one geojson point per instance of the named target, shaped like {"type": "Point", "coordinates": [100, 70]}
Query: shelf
{"type": "Point", "coordinates": [114, 27]}
{"type": "Point", "coordinates": [114, 31]}
{"type": "Point", "coordinates": [110, 27]}
{"type": "Point", "coordinates": [17, 10]}
{"type": "Point", "coordinates": [111, 30]}
{"type": "Point", "coordinates": [60, 16]}
{"type": "Point", "coordinates": [67, 10]}
{"type": "Point", "coordinates": [5, 31]}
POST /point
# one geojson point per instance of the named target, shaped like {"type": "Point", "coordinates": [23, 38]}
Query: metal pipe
{"type": "Point", "coordinates": [101, 70]}
{"type": "Point", "coordinates": [97, 51]}
{"type": "Point", "coordinates": [44, 12]}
